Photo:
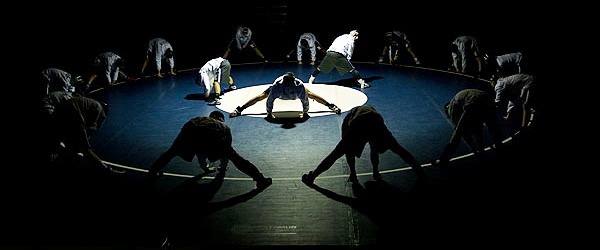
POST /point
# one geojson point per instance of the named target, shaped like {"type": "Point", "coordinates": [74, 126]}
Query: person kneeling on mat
{"type": "Point", "coordinates": [286, 87]}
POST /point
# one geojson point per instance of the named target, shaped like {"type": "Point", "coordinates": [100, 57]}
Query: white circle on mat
{"type": "Point", "coordinates": [343, 97]}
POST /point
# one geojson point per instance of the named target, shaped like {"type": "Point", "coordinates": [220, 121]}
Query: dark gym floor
{"type": "Point", "coordinates": [467, 204]}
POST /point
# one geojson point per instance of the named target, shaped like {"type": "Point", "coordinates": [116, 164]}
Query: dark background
{"type": "Point", "coordinates": [72, 35]}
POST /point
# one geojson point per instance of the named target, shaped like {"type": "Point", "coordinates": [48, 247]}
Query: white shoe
{"type": "Point", "coordinates": [214, 102]}
{"type": "Point", "coordinates": [311, 80]}
{"type": "Point", "coordinates": [363, 84]}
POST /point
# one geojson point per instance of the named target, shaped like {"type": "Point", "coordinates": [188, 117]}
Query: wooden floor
{"type": "Point", "coordinates": [469, 204]}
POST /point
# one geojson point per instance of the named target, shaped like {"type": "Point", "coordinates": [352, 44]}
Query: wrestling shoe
{"type": "Point", "coordinates": [214, 102]}
{"type": "Point", "coordinates": [237, 112]}
{"type": "Point", "coordinates": [377, 176]}
{"type": "Point", "coordinates": [309, 178]}
{"type": "Point", "coordinates": [264, 183]}
{"type": "Point", "coordinates": [208, 169]}
{"type": "Point", "coordinates": [334, 108]}
{"type": "Point", "coordinates": [363, 84]}
{"type": "Point", "coordinates": [353, 178]}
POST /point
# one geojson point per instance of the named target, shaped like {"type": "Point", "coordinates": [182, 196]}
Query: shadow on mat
{"type": "Point", "coordinates": [351, 82]}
